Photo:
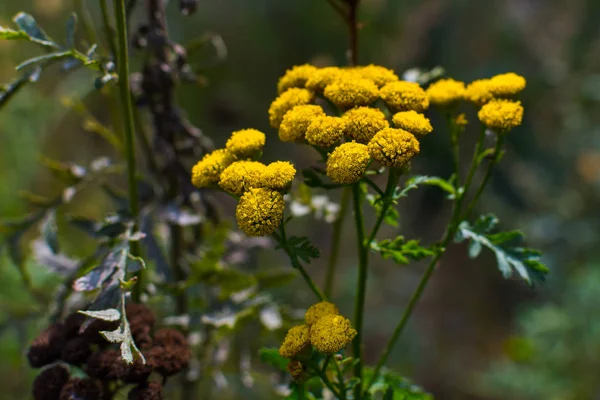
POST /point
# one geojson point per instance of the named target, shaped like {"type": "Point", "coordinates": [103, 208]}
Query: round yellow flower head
{"type": "Point", "coordinates": [296, 121]}
{"type": "Point", "coordinates": [297, 371]}
{"type": "Point", "coordinates": [404, 96]}
{"type": "Point", "coordinates": [507, 85]}
{"type": "Point", "coordinates": [278, 175]}
{"type": "Point", "coordinates": [207, 171]}
{"type": "Point", "coordinates": [348, 163]}
{"type": "Point", "coordinates": [461, 120]}
{"type": "Point", "coordinates": [331, 333]}
{"type": "Point", "coordinates": [245, 143]}
{"type": "Point", "coordinates": [296, 340]}
{"type": "Point", "coordinates": [393, 147]}
{"type": "Point", "coordinates": [445, 92]}
{"type": "Point", "coordinates": [378, 74]}
{"type": "Point", "coordinates": [364, 123]}
{"type": "Point", "coordinates": [295, 77]}
{"type": "Point", "coordinates": [323, 77]}
{"type": "Point", "coordinates": [412, 121]}
{"type": "Point", "coordinates": [286, 101]}
{"type": "Point", "coordinates": [260, 211]}
{"type": "Point", "coordinates": [241, 176]}
{"type": "Point", "coordinates": [347, 93]}
{"type": "Point", "coordinates": [319, 310]}
{"type": "Point", "coordinates": [478, 92]}
{"type": "Point", "coordinates": [501, 115]}
{"type": "Point", "coordinates": [325, 131]}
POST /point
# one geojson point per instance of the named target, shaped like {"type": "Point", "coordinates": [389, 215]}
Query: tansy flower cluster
{"type": "Point", "coordinates": [259, 187]}
{"type": "Point", "coordinates": [338, 109]}
{"type": "Point", "coordinates": [325, 330]}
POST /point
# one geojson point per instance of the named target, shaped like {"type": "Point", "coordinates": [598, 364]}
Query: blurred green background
{"type": "Point", "coordinates": [474, 335]}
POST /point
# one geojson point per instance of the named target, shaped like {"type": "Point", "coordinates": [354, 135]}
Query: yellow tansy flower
{"type": "Point", "coordinates": [378, 74]}
{"type": "Point", "coordinates": [331, 333]}
{"type": "Point", "coordinates": [295, 77]}
{"type": "Point", "coordinates": [319, 310]}
{"type": "Point", "coordinates": [404, 96]}
{"type": "Point", "coordinates": [207, 171]}
{"type": "Point", "coordinates": [278, 175]}
{"type": "Point", "coordinates": [445, 92]}
{"type": "Point", "coordinates": [323, 77]}
{"type": "Point", "coordinates": [507, 85]}
{"type": "Point", "coordinates": [260, 211]}
{"type": "Point", "coordinates": [325, 131]}
{"type": "Point", "coordinates": [241, 176]}
{"type": "Point", "coordinates": [478, 92]}
{"type": "Point", "coordinates": [412, 121]}
{"type": "Point", "coordinates": [296, 121]}
{"type": "Point", "coordinates": [347, 93]}
{"type": "Point", "coordinates": [286, 101]}
{"type": "Point", "coordinates": [296, 340]}
{"type": "Point", "coordinates": [364, 123]}
{"type": "Point", "coordinates": [393, 147]}
{"type": "Point", "coordinates": [348, 163]}
{"type": "Point", "coordinates": [501, 115]}
{"type": "Point", "coordinates": [245, 143]}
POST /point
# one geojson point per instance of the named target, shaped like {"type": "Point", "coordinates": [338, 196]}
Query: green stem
{"type": "Point", "coordinates": [386, 198]}
{"type": "Point", "coordinates": [327, 382]}
{"type": "Point", "coordinates": [282, 240]}
{"type": "Point", "coordinates": [455, 147]}
{"type": "Point", "coordinates": [341, 382]}
{"type": "Point", "coordinates": [336, 240]}
{"type": "Point", "coordinates": [447, 237]}
{"type": "Point", "coordinates": [108, 29]}
{"type": "Point", "coordinates": [361, 287]}
{"type": "Point", "coordinates": [123, 71]}
{"type": "Point", "coordinates": [86, 22]}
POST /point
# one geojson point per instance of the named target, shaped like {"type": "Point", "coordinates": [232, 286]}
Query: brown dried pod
{"type": "Point", "coordinates": [49, 383]}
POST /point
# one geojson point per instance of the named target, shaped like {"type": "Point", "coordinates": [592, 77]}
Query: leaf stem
{"type": "Point", "coordinates": [336, 240]}
{"type": "Point", "coordinates": [386, 198]}
{"type": "Point", "coordinates": [123, 71]}
{"type": "Point", "coordinates": [361, 285]}
{"type": "Point", "coordinates": [455, 148]}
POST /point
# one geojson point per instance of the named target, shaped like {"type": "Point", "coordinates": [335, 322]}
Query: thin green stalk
{"type": "Point", "coordinates": [488, 174]}
{"type": "Point", "coordinates": [447, 237]}
{"type": "Point", "coordinates": [393, 177]}
{"type": "Point", "coordinates": [361, 287]}
{"type": "Point", "coordinates": [123, 71]}
{"type": "Point", "coordinates": [282, 239]}
{"type": "Point", "coordinates": [108, 29]}
{"type": "Point", "coordinates": [336, 240]}
{"type": "Point", "coordinates": [341, 382]}
{"type": "Point", "coordinates": [326, 381]}
{"type": "Point", "coordinates": [86, 22]}
{"type": "Point", "coordinates": [455, 147]}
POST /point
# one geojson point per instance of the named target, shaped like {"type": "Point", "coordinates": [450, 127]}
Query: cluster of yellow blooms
{"type": "Point", "coordinates": [325, 330]}
{"type": "Point", "coordinates": [260, 187]}
{"type": "Point", "coordinates": [362, 133]}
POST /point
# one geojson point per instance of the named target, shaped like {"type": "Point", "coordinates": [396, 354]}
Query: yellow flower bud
{"type": "Point", "coordinates": [286, 101]}
{"type": "Point", "coordinates": [347, 93]}
{"type": "Point", "coordinates": [241, 176]}
{"type": "Point", "coordinates": [323, 77]}
{"type": "Point", "coordinates": [297, 371]}
{"type": "Point", "coordinates": [331, 333]}
{"type": "Point", "coordinates": [393, 147]}
{"type": "Point", "coordinates": [260, 211]}
{"type": "Point", "coordinates": [404, 96]}
{"type": "Point", "coordinates": [364, 123]}
{"type": "Point", "coordinates": [319, 310]}
{"type": "Point", "coordinates": [348, 162]}
{"type": "Point", "coordinates": [413, 122]}
{"type": "Point", "coordinates": [295, 77]}
{"type": "Point", "coordinates": [446, 92]}
{"type": "Point", "coordinates": [325, 131]}
{"type": "Point", "coordinates": [478, 92]}
{"type": "Point", "coordinates": [245, 143]}
{"type": "Point", "coordinates": [278, 175]}
{"type": "Point", "coordinates": [207, 171]}
{"type": "Point", "coordinates": [296, 121]}
{"type": "Point", "coordinates": [507, 85]}
{"type": "Point", "coordinates": [296, 340]}
{"type": "Point", "coordinates": [501, 115]}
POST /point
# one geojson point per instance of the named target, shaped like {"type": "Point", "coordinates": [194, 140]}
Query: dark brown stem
{"type": "Point", "coordinates": [353, 25]}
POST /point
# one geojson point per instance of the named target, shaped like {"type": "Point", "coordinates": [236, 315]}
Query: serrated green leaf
{"type": "Point", "coordinates": [416, 181]}
{"type": "Point", "coordinates": [510, 256]}
{"type": "Point", "coordinates": [272, 357]}
{"type": "Point", "coordinates": [35, 33]}
{"type": "Point", "coordinates": [111, 314]}
{"type": "Point", "coordinates": [402, 251]}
